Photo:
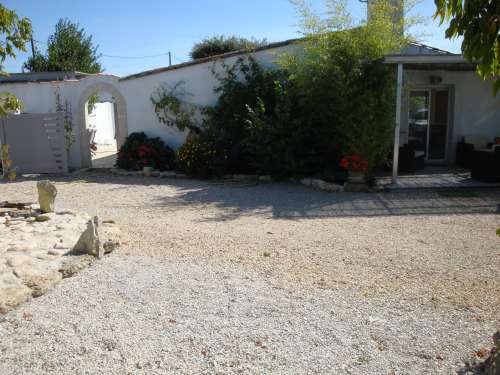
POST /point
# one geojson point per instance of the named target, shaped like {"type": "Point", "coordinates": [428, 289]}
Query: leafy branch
{"type": "Point", "coordinates": [172, 109]}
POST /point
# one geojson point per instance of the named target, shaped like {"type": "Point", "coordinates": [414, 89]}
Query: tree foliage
{"type": "Point", "coordinates": [14, 33]}
{"type": "Point", "coordinates": [68, 49]}
{"type": "Point", "coordinates": [478, 21]}
{"type": "Point", "coordinates": [340, 80]}
{"type": "Point", "coordinates": [218, 45]}
{"type": "Point", "coordinates": [331, 97]}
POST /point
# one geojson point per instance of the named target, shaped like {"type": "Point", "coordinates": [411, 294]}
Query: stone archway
{"type": "Point", "coordinates": [121, 126]}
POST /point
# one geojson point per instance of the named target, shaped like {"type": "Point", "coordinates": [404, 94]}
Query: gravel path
{"type": "Point", "coordinates": [265, 279]}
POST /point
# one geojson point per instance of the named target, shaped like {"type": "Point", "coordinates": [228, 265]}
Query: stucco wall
{"type": "Point", "coordinates": [474, 110]}
{"type": "Point", "coordinates": [198, 81]}
{"type": "Point", "coordinates": [40, 97]}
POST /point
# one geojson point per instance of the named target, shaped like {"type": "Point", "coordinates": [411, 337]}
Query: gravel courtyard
{"type": "Point", "coordinates": [231, 278]}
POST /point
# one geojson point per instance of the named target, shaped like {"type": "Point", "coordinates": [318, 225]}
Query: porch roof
{"type": "Point", "coordinates": [431, 62]}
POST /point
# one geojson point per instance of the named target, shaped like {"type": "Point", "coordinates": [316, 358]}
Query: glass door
{"type": "Point", "coordinates": [418, 119]}
{"type": "Point", "coordinates": [438, 125]}
{"type": "Point", "coordinates": [428, 122]}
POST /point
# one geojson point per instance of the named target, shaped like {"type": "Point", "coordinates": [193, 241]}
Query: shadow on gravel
{"type": "Point", "coordinates": [293, 201]}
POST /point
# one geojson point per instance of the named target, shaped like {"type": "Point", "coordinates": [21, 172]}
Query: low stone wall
{"type": "Point", "coordinates": [38, 249]}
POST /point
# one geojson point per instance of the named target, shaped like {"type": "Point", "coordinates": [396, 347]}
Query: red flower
{"type": "Point", "coordinates": [354, 163]}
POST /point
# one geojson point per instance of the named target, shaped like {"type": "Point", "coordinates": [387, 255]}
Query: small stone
{"type": "Point", "coordinates": [306, 181]}
{"type": "Point", "coordinates": [42, 218]}
{"type": "Point", "coordinates": [245, 177]}
{"type": "Point", "coordinates": [47, 193]}
{"type": "Point", "coordinates": [109, 246]}
{"type": "Point", "coordinates": [167, 174]}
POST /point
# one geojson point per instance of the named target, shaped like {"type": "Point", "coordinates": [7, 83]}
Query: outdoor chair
{"type": "Point", "coordinates": [410, 159]}
{"type": "Point", "coordinates": [486, 164]}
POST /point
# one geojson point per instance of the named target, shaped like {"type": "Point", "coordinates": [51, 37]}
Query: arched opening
{"type": "Point", "coordinates": [103, 125]}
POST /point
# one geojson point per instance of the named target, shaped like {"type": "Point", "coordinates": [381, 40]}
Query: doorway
{"type": "Point", "coordinates": [101, 124]}
{"type": "Point", "coordinates": [428, 118]}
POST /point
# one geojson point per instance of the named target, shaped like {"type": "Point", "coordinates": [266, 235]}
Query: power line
{"type": "Point", "coordinates": [136, 57]}
{"type": "Point", "coordinates": [124, 57]}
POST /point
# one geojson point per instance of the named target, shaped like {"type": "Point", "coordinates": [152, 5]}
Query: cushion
{"type": "Point", "coordinates": [477, 141]}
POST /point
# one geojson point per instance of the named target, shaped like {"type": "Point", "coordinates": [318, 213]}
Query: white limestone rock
{"type": "Point", "coordinates": [89, 242]}
{"type": "Point", "coordinates": [47, 193]}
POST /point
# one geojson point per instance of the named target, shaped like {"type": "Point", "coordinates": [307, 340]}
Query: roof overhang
{"type": "Point", "coordinates": [431, 62]}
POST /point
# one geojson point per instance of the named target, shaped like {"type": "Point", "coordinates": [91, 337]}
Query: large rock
{"type": "Point", "coordinates": [89, 242]}
{"type": "Point", "coordinates": [12, 292]}
{"type": "Point", "coordinates": [47, 193]}
{"type": "Point", "coordinates": [39, 277]}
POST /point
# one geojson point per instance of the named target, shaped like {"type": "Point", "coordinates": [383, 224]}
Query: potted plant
{"type": "Point", "coordinates": [356, 168]}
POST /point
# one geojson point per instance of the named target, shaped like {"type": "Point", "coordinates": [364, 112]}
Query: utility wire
{"type": "Point", "coordinates": [124, 57]}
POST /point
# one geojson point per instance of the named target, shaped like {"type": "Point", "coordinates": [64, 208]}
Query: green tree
{"type": "Point", "coordinates": [68, 49]}
{"type": "Point", "coordinates": [218, 45]}
{"type": "Point", "coordinates": [14, 33]}
{"type": "Point", "coordinates": [478, 22]}
{"type": "Point", "coordinates": [346, 93]}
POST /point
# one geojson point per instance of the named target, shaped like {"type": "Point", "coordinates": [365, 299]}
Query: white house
{"type": "Point", "coordinates": [441, 101]}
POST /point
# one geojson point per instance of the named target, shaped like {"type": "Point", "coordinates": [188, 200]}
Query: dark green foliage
{"type": "Point", "coordinates": [478, 22]}
{"type": "Point", "coordinates": [14, 33]}
{"type": "Point", "coordinates": [244, 88]}
{"type": "Point", "coordinates": [218, 45]}
{"type": "Point", "coordinates": [200, 157]}
{"type": "Point", "coordinates": [69, 49]}
{"type": "Point", "coordinates": [139, 151]}
{"type": "Point", "coordinates": [266, 122]}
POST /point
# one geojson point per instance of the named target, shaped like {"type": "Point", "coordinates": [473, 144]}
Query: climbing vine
{"type": "Point", "coordinates": [67, 120]}
{"type": "Point", "coordinates": [172, 109]}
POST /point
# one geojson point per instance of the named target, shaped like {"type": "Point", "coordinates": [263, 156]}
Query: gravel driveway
{"type": "Point", "coordinates": [278, 278]}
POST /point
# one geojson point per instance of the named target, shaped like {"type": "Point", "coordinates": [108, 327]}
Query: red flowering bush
{"type": "Point", "coordinates": [354, 163]}
{"type": "Point", "coordinates": [139, 151]}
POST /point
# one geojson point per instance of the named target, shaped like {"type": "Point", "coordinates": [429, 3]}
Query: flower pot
{"type": "Point", "coordinates": [147, 171]}
{"type": "Point", "coordinates": [356, 182]}
{"type": "Point", "coordinates": [356, 177]}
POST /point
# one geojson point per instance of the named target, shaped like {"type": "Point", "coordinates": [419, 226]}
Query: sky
{"type": "Point", "coordinates": [134, 36]}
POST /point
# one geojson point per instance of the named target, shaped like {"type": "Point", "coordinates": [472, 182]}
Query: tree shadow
{"type": "Point", "coordinates": [292, 201]}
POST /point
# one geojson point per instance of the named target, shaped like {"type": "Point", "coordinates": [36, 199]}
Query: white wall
{"type": "Point", "coordinates": [102, 119]}
{"type": "Point", "coordinates": [40, 97]}
{"type": "Point", "coordinates": [474, 110]}
{"type": "Point", "coordinates": [198, 81]}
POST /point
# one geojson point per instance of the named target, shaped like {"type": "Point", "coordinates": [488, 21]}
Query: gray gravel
{"type": "Point", "coordinates": [265, 279]}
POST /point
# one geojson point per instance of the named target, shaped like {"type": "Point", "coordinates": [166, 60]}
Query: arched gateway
{"type": "Point", "coordinates": [120, 108]}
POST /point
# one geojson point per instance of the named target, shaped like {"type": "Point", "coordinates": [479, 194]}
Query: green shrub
{"type": "Point", "coordinates": [218, 45]}
{"type": "Point", "coordinates": [199, 157]}
{"type": "Point", "coordinates": [139, 151]}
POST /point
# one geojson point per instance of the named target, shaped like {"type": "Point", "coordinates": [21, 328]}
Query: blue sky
{"type": "Point", "coordinates": [144, 28]}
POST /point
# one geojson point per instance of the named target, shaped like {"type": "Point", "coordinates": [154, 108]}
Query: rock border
{"type": "Point", "coordinates": [315, 183]}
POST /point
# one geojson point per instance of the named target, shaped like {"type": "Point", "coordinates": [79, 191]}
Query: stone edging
{"type": "Point", "coordinates": [311, 182]}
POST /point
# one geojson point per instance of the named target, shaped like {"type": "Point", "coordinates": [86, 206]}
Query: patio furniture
{"type": "Point", "coordinates": [411, 159]}
{"type": "Point", "coordinates": [467, 145]}
{"type": "Point", "coordinates": [486, 164]}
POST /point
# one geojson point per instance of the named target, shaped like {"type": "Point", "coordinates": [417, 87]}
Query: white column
{"type": "Point", "coordinates": [399, 93]}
